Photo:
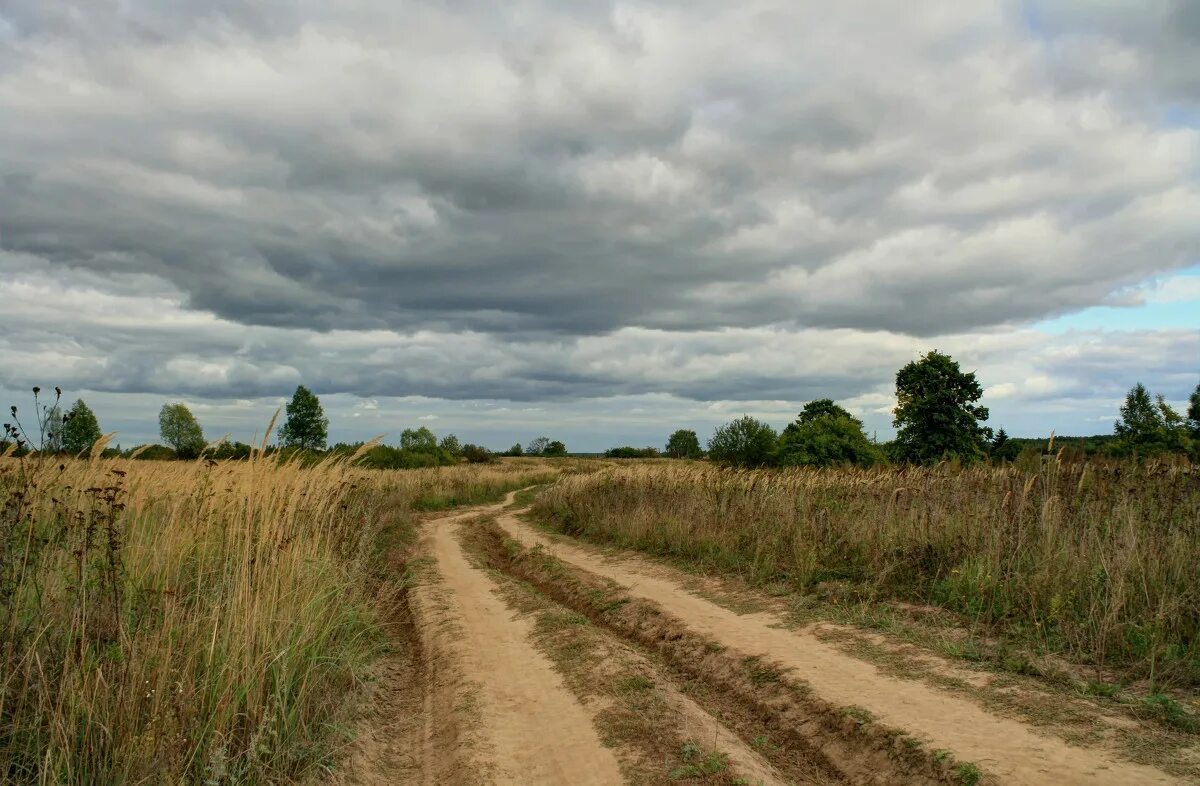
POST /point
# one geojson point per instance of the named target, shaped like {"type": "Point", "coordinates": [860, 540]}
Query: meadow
{"type": "Point", "coordinates": [1097, 561]}
{"type": "Point", "coordinates": [199, 621]}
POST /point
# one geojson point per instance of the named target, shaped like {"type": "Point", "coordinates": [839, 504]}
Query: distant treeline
{"type": "Point", "coordinates": [937, 417]}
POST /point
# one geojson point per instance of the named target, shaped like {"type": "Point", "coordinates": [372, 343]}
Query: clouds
{"type": "Point", "coordinates": [547, 202]}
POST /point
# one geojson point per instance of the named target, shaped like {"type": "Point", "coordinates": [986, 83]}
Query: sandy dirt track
{"type": "Point", "coordinates": [1007, 748]}
{"type": "Point", "coordinates": [535, 730]}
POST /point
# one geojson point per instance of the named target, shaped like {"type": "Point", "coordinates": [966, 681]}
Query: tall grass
{"type": "Point", "coordinates": [194, 622]}
{"type": "Point", "coordinates": [1100, 561]}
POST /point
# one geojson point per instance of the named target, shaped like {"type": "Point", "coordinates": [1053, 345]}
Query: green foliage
{"type": "Point", "coordinates": [826, 435]}
{"type": "Point", "coordinates": [631, 452]}
{"type": "Point", "coordinates": [230, 451]}
{"type": "Point", "coordinates": [178, 428]}
{"type": "Point", "coordinates": [936, 416]}
{"type": "Point", "coordinates": [306, 426]}
{"type": "Point", "coordinates": [743, 442]}
{"type": "Point", "coordinates": [515, 450]}
{"type": "Point", "coordinates": [152, 453]}
{"type": "Point", "coordinates": [555, 448]}
{"type": "Point", "coordinates": [450, 444]}
{"type": "Point", "coordinates": [537, 446]}
{"type": "Point", "coordinates": [392, 457]}
{"type": "Point", "coordinates": [1002, 448]}
{"type": "Point", "coordinates": [419, 440]}
{"type": "Point", "coordinates": [1149, 427]}
{"type": "Point", "coordinates": [80, 429]}
{"type": "Point", "coordinates": [822, 408]}
{"type": "Point", "coordinates": [52, 428]}
{"type": "Point", "coordinates": [1193, 413]}
{"type": "Point", "coordinates": [474, 454]}
{"type": "Point", "coordinates": [684, 444]}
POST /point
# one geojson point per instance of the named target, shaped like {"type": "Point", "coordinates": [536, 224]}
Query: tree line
{"type": "Point", "coordinates": [937, 417]}
{"type": "Point", "coordinates": [304, 433]}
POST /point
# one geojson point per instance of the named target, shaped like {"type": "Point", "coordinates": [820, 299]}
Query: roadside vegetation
{"type": "Point", "coordinates": [1095, 560]}
{"type": "Point", "coordinates": [198, 621]}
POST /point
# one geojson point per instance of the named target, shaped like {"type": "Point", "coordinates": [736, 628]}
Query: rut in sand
{"type": "Point", "coordinates": [1012, 751]}
{"type": "Point", "coordinates": [532, 729]}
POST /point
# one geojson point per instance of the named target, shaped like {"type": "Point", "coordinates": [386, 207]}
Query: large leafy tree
{"type": "Point", "coordinates": [306, 425]}
{"type": "Point", "coordinates": [826, 434]}
{"type": "Point", "coordinates": [684, 444]}
{"type": "Point", "coordinates": [80, 428]}
{"type": "Point", "coordinates": [178, 428]}
{"type": "Point", "coordinates": [554, 448]}
{"type": "Point", "coordinates": [1148, 426]}
{"type": "Point", "coordinates": [936, 414]}
{"type": "Point", "coordinates": [743, 442]}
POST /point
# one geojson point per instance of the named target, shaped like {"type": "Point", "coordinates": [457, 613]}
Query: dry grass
{"type": "Point", "coordinates": [169, 622]}
{"type": "Point", "coordinates": [1094, 560]}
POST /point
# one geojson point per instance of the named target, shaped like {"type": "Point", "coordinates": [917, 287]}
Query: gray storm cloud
{"type": "Point", "coordinates": [547, 201]}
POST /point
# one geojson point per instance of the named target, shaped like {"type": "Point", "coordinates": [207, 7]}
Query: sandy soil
{"type": "Point", "coordinates": [534, 729]}
{"type": "Point", "coordinates": [1012, 751]}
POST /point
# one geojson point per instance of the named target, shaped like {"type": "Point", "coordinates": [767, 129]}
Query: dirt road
{"type": "Point", "coordinates": [1010, 750]}
{"type": "Point", "coordinates": [512, 687]}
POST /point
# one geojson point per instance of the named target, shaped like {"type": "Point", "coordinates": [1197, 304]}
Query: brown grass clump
{"type": "Point", "coordinates": [170, 621]}
{"type": "Point", "coordinates": [1095, 560]}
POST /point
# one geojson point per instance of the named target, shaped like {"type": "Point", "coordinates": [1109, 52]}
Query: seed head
{"type": "Point", "coordinates": [36, 390]}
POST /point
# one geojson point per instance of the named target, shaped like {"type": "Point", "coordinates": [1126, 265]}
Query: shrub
{"type": "Point", "coordinates": [744, 442]}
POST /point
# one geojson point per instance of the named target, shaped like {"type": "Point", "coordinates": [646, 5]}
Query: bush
{"type": "Point", "coordinates": [474, 454]}
{"type": "Point", "coordinates": [745, 442]}
{"type": "Point", "coordinates": [630, 452]}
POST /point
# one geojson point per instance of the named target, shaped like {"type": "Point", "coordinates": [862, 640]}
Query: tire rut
{"type": "Point", "coordinates": [1006, 748]}
{"type": "Point", "coordinates": [526, 726]}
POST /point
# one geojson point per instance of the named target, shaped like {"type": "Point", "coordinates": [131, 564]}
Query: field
{"type": "Point", "coordinates": [1097, 561]}
{"type": "Point", "coordinates": [660, 621]}
{"type": "Point", "coordinates": [189, 621]}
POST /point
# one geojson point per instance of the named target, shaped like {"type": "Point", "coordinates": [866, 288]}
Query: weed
{"type": "Point", "coordinates": [1171, 712]}
{"type": "Point", "coordinates": [968, 773]}
{"type": "Point", "coordinates": [698, 764]}
{"type": "Point", "coordinates": [635, 683]}
{"type": "Point", "coordinates": [863, 716]}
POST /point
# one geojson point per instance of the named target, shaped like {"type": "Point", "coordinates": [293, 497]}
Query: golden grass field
{"type": "Point", "coordinates": [171, 621]}
{"type": "Point", "coordinates": [213, 622]}
{"type": "Point", "coordinates": [1096, 560]}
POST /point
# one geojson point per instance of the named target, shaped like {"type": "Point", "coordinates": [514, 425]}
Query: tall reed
{"type": "Point", "coordinates": [193, 622]}
{"type": "Point", "coordinates": [1097, 560]}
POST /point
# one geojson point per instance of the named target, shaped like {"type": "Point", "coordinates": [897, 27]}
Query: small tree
{"type": "Point", "coordinates": [936, 415]}
{"type": "Point", "coordinates": [306, 425]}
{"type": "Point", "coordinates": [537, 447]}
{"type": "Point", "coordinates": [825, 434]}
{"type": "Point", "coordinates": [554, 448]}
{"type": "Point", "coordinates": [53, 429]}
{"type": "Point", "coordinates": [80, 429]}
{"type": "Point", "coordinates": [179, 429]}
{"type": "Point", "coordinates": [451, 445]}
{"type": "Point", "coordinates": [1148, 426]}
{"type": "Point", "coordinates": [419, 440]}
{"type": "Point", "coordinates": [744, 442]}
{"type": "Point", "coordinates": [515, 450]}
{"type": "Point", "coordinates": [683, 444]}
